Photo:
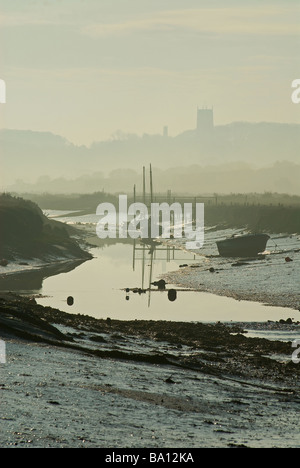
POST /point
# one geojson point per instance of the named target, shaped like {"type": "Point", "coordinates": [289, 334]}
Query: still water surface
{"type": "Point", "coordinates": [98, 287]}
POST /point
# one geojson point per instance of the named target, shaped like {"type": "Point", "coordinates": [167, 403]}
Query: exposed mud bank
{"type": "Point", "coordinates": [271, 279]}
{"type": "Point", "coordinates": [209, 348]}
{"type": "Point", "coordinates": [76, 381]}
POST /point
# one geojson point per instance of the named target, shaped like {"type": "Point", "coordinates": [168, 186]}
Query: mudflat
{"type": "Point", "coordinates": [76, 381]}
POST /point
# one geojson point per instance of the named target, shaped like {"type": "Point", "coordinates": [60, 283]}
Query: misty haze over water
{"type": "Point", "coordinates": [205, 96]}
{"type": "Point", "coordinates": [240, 157]}
{"type": "Point", "coordinates": [199, 89]}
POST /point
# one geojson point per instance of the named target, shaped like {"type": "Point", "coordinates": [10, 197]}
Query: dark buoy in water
{"type": "Point", "coordinates": [70, 300]}
{"type": "Point", "coordinates": [172, 295]}
{"type": "Point", "coordinates": [161, 284]}
{"type": "Point", "coordinates": [127, 298]}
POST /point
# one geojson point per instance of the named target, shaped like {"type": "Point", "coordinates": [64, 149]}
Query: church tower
{"type": "Point", "coordinates": [205, 122]}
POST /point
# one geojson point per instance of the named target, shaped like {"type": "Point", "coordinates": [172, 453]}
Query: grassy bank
{"type": "Point", "coordinates": [25, 232]}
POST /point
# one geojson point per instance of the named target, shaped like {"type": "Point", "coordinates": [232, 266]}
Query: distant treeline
{"type": "Point", "coordinates": [272, 212]}
{"type": "Point", "coordinates": [73, 202]}
{"type": "Point", "coordinates": [90, 201]}
{"type": "Point", "coordinates": [263, 218]}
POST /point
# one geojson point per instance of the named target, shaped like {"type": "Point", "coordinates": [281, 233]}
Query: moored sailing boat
{"type": "Point", "coordinates": [247, 245]}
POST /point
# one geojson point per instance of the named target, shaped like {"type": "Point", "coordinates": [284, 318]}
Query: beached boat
{"type": "Point", "coordinates": [247, 245]}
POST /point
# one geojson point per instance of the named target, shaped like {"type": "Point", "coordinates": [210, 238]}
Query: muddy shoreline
{"type": "Point", "coordinates": [287, 300]}
{"type": "Point", "coordinates": [72, 380]}
{"type": "Point", "coordinates": [214, 348]}
{"type": "Point", "coordinates": [271, 279]}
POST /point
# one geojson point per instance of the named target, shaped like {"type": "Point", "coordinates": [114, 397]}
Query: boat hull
{"type": "Point", "coordinates": [243, 246]}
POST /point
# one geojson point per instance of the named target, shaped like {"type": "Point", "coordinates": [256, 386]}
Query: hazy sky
{"type": "Point", "coordinates": [86, 68]}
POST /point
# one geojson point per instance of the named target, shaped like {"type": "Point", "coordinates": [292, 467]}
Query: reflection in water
{"type": "Point", "coordinates": [32, 280]}
{"type": "Point", "coordinates": [70, 300]}
{"type": "Point", "coordinates": [153, 247]}
{"type": "Point", "coordinates": [116, 283]}
{"type": "Point", "coordinates": [172, 295]}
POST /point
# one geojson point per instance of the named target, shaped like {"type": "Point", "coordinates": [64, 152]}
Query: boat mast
{"type": "Point", "coordinates": [151, 185]}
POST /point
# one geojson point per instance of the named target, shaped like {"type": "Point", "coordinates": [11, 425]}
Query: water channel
{"type": "Point", "coordinates": [98, 286]}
